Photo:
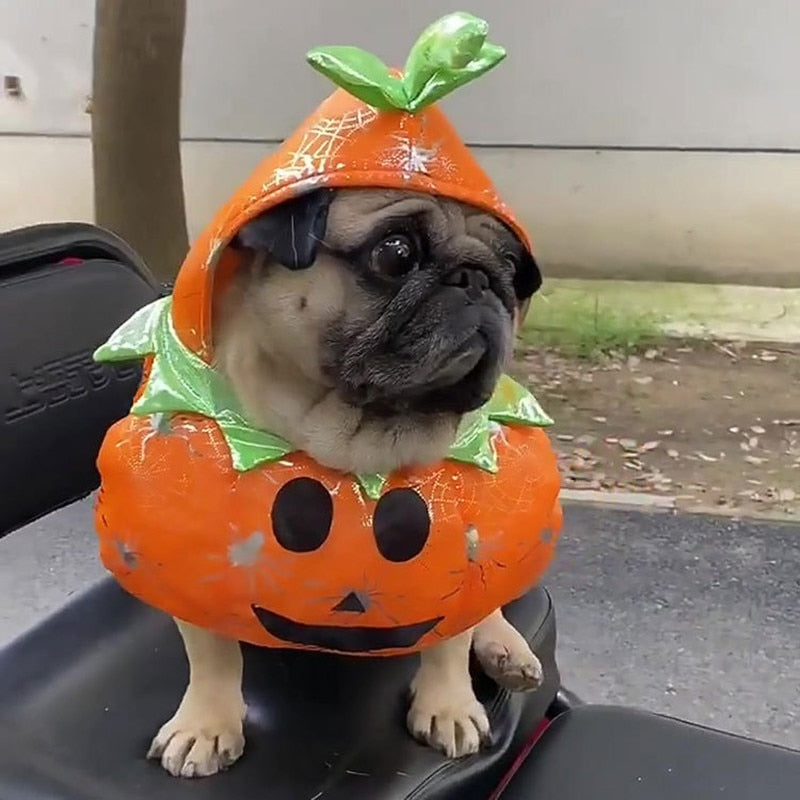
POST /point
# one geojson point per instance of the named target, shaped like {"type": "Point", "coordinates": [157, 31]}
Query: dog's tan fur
{"type": "Point", "coordinates": [267, 335]}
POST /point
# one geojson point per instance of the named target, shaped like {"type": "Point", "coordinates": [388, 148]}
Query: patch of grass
{"type": "Point", "coordinates": [584, 325]}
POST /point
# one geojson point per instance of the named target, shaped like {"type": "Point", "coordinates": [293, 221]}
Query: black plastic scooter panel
{"type": "Point", "coordinates": [55, 403]}
{"type": "Point", "coordinates": [611, 753]}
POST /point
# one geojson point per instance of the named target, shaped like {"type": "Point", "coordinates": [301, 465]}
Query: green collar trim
{"type": "Point", "coordinates": [449, 53]}
{"type": "Point", "coordinates": [181, 382]}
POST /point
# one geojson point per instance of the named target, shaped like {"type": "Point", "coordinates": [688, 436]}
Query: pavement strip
{"type": "Point", "coordinates": [618, 499]}
{"type": "Point", "coordinates": [638, 501]}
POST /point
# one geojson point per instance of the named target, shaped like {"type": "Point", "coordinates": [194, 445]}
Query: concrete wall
{"type": "Point", "coordinates": [639, 139]}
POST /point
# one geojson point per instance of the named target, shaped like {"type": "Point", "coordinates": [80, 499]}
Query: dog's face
{"type": "Point", "coordinates": [401, 302]}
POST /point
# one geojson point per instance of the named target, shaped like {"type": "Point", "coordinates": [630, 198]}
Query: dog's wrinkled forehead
{"type": "Point", "coordinates": [344, 220]}
{"type": "Point", "coordinates": [369, 211]}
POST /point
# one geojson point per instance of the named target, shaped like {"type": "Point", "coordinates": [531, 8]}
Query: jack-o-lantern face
{"type": "Point", "coordinates": [301, 521]}
{"type": "Point", "coordinates": [291, 554]}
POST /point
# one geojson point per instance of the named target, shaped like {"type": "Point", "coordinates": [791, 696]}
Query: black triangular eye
{"type": "Point", "coordinates": [401, 524]}
{"type": "Point", "coordinates": [302, 515]}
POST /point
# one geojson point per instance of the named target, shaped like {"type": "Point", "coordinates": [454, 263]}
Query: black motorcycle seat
{"type": "Point", "coordinates": [82, 694]}
{"type": "Point", "coordinates": [609, 752]}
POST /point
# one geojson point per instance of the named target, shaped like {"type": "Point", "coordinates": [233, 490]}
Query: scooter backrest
{"type": "Point", "coordinates": [63, 289]}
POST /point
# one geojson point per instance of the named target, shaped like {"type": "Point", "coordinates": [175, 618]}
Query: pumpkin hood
{"type": "Point", "coordinates": [229, 528]}
{"type": "Point", "coordinates": [379, 129]}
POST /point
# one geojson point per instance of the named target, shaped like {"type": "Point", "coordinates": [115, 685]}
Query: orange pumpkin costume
{"type": "Point", "coordinates": [230, 528]}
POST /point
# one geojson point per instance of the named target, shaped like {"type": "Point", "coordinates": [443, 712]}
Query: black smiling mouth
{"type": "Point", "coordinates": [360, 639]}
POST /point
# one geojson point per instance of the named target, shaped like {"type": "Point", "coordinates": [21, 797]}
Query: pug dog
{"type": "Point", "coordinates": [363, 324]}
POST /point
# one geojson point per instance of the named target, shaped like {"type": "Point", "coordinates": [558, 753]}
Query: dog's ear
{"type": "Point", "coordinates": [528, 277]}
{"type": "Point", "coordinates": [291, 231]}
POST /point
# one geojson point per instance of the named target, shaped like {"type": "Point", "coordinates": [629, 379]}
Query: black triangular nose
{"type": "Point", "coordinates": [352, 602]}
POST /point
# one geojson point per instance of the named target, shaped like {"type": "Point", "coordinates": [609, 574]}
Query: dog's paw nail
{"type": "Point", "coordinates": [189, 770]}
{"type": "Point", "coordinates": [533, 673]}
{"type": "Point", "coordinates": [517, 670]}
{"type": "Point", "coordinates": [457, 729]}
{"type": "Point", "coordinates": [155, 750]}
{"type": "Point", "coordinates": [197, 750]}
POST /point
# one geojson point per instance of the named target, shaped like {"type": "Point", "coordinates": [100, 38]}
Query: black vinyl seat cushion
{"type": "Point", "coordinates": [623, 754]}
{"type": "Point", "coordinates": [82, 695]}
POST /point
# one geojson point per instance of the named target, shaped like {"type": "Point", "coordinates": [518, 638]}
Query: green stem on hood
{"type": "Point", "coordinates": [448, 53]}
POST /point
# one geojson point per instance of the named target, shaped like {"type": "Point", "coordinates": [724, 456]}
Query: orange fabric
{"type": "Point", "coordinates": [343, 143]}
{"type": "Point", "coordinates": [198, 542]}
{"type": "Point", "coordinates": [184, 531]}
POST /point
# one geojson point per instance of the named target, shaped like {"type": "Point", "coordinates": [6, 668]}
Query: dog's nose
{"type": "Point", "coordinates": [472, 280]}
{"type": "Point", "coordinates": [352, 603]}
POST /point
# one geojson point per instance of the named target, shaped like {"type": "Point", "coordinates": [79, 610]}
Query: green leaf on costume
{"type": "Point", "coordinates": [448, 53]}
{"type": "Point", "coordinates": [134, 338]}
{"type": "Point", "coordinates": [360, 73]}
{"type": "Point", "coordinates": [181, 382]}
{"type": "Point", "coordinates": [513, 404]}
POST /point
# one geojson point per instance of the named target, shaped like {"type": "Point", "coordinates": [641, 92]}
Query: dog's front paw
{"type": "Point", "coordinates": [191, 745]}
{"type": "Point", "coordinates": [448, 719]}
{"type": "Point", "coordinates": [505, 655]}
{"type": "Point", "coordinates": [514, 668]}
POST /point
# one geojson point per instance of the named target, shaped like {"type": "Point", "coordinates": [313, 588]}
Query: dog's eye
{"type": "Point", "coordinates": [394, 256]}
